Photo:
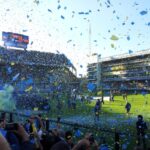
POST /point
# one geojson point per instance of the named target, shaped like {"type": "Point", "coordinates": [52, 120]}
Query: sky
{"type": "Point", "coordinates": [79, 28]}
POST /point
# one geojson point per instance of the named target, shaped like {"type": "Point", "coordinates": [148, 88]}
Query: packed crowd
{"type": "Point", "coordinates": [32, 57]}
{"type": "Point", "coordinates": [32, 102]}
{"type": "Point", "coordinates": [36, 134]}
{"type": "Point", "coordinates": [34, 73]}
{"type": "Point", "coordinates": [127, 85]}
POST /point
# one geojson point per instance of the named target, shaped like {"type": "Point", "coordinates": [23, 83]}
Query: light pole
{"type": "Point", "coordinates": [99, 75]}
{"type": "Point", "coordinates": [98, 70]}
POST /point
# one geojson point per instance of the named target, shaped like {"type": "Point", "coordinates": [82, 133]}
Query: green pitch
{"type": "Point", "coordinates": [139, 105]}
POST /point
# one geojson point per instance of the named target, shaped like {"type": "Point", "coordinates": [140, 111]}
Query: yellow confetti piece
{"type": "Point", "coordinates": [55, 83]}
{"type": "Point", "coordinates": [114, 38]}
{"type": "Point", "coordinates": [35, 109]}
{"type": "Point", "coordinates": [29, 89]}
{"type": "Point", "coordinates": [112, 45]}
{"type": "Point", "coordinates": [12, 63]}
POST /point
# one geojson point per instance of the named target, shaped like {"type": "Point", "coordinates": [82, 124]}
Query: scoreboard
{"type": "Point", "coordinates": [15, 40]}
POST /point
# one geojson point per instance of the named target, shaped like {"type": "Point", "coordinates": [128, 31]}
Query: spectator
{"type": "Point", "coordinates": [68, 137]}
{"type": "Point", "coordinates": [128, 107]}
{"type": "Point", "coordinates": [83, 144]}
{"type": "Point", "coordinates": [4, 144]}
{"type": "Point", "coordinates": [141, 126]}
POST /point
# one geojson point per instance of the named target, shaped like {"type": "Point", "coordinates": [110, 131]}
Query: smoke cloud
{"type": "Point", "coordinates": [6, 99]}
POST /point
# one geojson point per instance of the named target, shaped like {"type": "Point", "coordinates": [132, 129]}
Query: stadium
{"type": "Point", "coordinates": [127, 73]}
{"type": "Point", "coordinates": [71, 77]}
{"type": "Point", "coordinates": [45, 84]}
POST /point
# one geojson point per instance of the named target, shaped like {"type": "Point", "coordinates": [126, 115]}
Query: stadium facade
{"type": "Point", "coordinates": [123, 73]}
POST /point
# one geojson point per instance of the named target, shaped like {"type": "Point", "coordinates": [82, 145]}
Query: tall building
{"type": "Point", "coordinates": [123, 73]}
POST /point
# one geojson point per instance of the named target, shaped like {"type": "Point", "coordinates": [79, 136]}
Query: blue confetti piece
{"type": "Point", "coordinates": [27, 112]}
{"type": "Point", "coordinates": [108, 2]}
{"type": "Point", "coordinates": [132, 23]}
{"type": "Point", "coordinates": [86, 13]}
{"type": "Point", "coordinates": [69, 63]}
{"type": "Point", "coordinates": [117, 17]}
{"type": "Point", "coordinates": [16, 76]}
{"type": "Point", "coordinates": [81, 13]}
{"type": "Point", "coordinates": [9, 70]}
{"type": "Point", "coordinates": [123, 23]}
{"type": "Point", "coordinates": [148, 24]}
{"type": "Point", "coordinates": [24, 30]}
{"type": "Point", "coordinates": [59, 6]}
{"type": "Point", "coordinates": [77, 133]}
{"type": "Point", "coordinates": [143, 92]}
{"type": "Point", "coordinates": [114, 12]}
{"type": "Point", "coordinates": [49, 10]}
{"type": "Point", "coordinates": [144, 12]}
{"type": "Point", "coordinates": [62, 17]}
{"type": "Point", "coordinates": [91, 86]}
{"type": "Point", "coordinates": [130, 51]}
{"type": "Point", "coordinates": [128, 38]}
{"type": "Point", "coordinates": [3, 132]}
{"type": "Point", "coordinates": [29, 81]}
{"type": "Point", "coordinates": [69, 41]}
{"type": "Point", "coordinates": [1, 88]}
{"type": "Point", "coordinates": [65, 7]}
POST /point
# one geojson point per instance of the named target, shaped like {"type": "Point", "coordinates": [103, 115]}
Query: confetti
{"type": "Point", "coordinates": [128, 38]}
{"type": "Point", "coordinates": [144, 12]}
{"type": "Point", "coordinates": [15, 77]}
{"type": "Point", "coordinates": [114, 38]}
{"type": "Point", "coordinates": [59, 6]}
{"type": "Point", "coordinates": [49, 10]}
{"type": "Point", "coordinates": [62, 17]}
{"type": "Point", "coordinates": [91, 86]}
{"type": "Point", "coordinates": [130, 51]}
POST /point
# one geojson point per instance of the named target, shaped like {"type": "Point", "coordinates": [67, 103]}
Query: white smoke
{"type": "Point", "coordinates": [6, 100]}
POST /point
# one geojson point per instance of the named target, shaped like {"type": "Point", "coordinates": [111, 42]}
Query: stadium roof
{"type": "Point", "coordinates": [126, 55]}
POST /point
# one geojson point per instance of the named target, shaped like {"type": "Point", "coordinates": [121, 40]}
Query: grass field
{"type": "Point", "coordinates": [140, 105]}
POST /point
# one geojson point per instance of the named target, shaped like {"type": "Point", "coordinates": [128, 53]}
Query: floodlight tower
{"type": "Point", "coordinates": [90, 34]}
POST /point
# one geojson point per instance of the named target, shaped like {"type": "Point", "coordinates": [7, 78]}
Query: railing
{"type": "Point", "coordinates": [115, 133]}
{"type": "Point", "coordinates": [109, 133]}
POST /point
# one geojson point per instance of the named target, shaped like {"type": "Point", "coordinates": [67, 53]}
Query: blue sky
{"type": "Point", "coordinates": [57, 25]}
